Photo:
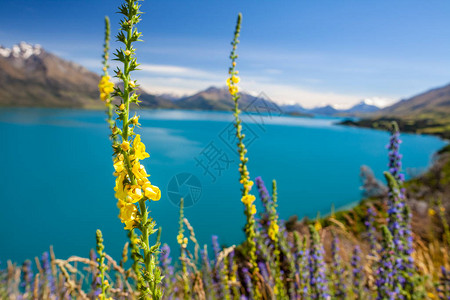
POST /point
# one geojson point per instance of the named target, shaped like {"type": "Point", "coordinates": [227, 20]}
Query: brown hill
{"type": "Point", "coordinates": [433, 102]}
{"type": "Point", "coordinates": [30, 76]}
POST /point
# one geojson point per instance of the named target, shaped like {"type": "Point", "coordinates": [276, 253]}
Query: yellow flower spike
{"type": "Point", "coordinates": [125, 145]}
{"type": "Point", "coordinates": [133, 186]}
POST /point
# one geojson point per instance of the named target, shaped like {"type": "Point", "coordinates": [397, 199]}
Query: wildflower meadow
{"type": "Point", "coordinates": [368, 252]}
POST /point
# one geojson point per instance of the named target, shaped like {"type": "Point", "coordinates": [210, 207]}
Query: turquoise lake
{"type": "Point", "coordinates": [57, 183]}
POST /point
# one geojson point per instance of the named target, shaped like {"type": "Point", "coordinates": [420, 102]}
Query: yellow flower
{"type": "Point", "coordinates": [431, 295]}
{"type": "Point", "coordinates": [318, 226]}
{"type": "Point", "coordinates": [248, 199]}
{"type": "Point", "coordinates": [139, 170]}
{"type": "Point", "coordinates": [131, 83]}
{"type": "Point", "coordinates": [253, 209]}
{"type": "Point", "coordinates": [128, 211]}
{"type": "Point", "coordinates": [151, 192]}
{"type": "Point", "coordinates": [118, 165]}
{"type": "Point", "coordinates": [442, 209]}
{"type": "Point", "coordinates": [125, 145]}
{"type": "Point", "coordinates": [106, 87]}
{"type": "Point", "coordinates": [139, 148]}
{"type": "Point", "coordinates": [180, 238]}
{"type": "Point", "coordinates": [275, 290]}
{"type": "Point", "coordinates": [135, 192]}
{"type": "Point", "coordinates": [431, 212]}
{"type": "Point", "coordinates": [235, 79]}
{"type": "Point", "coordinates": [273, 230]}
{"type": "Point", "coordinates": [122, 106]}
{"type": "Point", "coordinates": [129, 224]}
{"type": "Point", "coordinates": [135, 120]}
{"type": "Point", "coordinates": [127, 52]}
{"type": "Point", "coordinates": [248, 185]}
{"type": "Point", "coordinates": [233, 90]}
{"type": "Point", "coordinates": [121, 194]}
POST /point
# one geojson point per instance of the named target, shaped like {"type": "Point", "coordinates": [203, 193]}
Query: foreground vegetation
{"type": "Point", "coordinates": [374, 251]}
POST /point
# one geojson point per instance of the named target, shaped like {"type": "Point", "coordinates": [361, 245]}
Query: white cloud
{"type": "Point", "coordinates": [380, 101]}
{"type": "Point", "coordinates": [283, 94]}
{"type": "Point", "coordinates": [180, 80]}
{"type": "Point", "coordinates": [178, 71]}
{"type": "Point", "coordinates": [176, 85]}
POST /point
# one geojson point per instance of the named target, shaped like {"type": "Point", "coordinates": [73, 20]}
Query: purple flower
{"type": "Point", "coordinates": [370, 226]}
{"type": "Point", "coordinates": [357, 271]}
{"type": "Point", "coordinates": [26, 276]}
{"type": "Point", "coordinates": [339, 285]}
{"type": "Point", "coordinates": [248, 282]}
{"type": "Point", "coordinates": [263, 194]}
{"type": "Point", "coordinates": [302, 272]}
{"type": "Point", "coordinates": [317, 277]}
{"type": "Point", "coordinates": [166, 266]}
{"type": "Point", "coordinates": [207, 275]}
{"type": "Point", "coordinates": [386, 274]}
{"type": "Point", "coordinates": [220, 273]}
{"type": "Point", "coordinates": [49, 279]}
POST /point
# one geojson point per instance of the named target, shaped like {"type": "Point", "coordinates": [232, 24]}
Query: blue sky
{"type": "Point", "coordinates": [309, 52]}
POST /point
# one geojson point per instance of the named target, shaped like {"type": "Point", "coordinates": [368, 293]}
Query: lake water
{"type": "Point", "coordinates": [57, 183]}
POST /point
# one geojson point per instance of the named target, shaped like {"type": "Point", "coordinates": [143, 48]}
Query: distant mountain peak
{"type": "Point", "coordinates": [22, 50]}
{"type": "Point", "coordinates": [213, 89]}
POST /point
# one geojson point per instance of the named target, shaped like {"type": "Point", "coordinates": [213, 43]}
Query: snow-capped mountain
{"type": "Point", "coordinates": [31, 76]}
{"type": "Point", "coordinates": [22, 50]}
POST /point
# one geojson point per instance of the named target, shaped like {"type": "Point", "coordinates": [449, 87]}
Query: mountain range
{"type": "Point", "coordinates": [32, 77]}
